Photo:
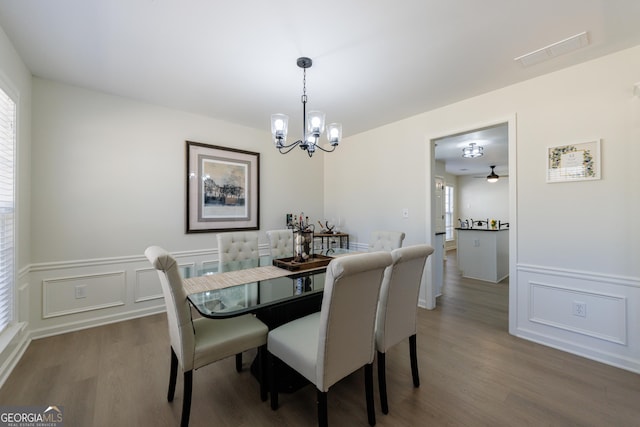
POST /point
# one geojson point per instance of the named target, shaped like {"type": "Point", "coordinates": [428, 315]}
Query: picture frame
{"type": "Point", "coordinates": [223, 189]}
{"type": "Point", "coordinates": [574, 162]}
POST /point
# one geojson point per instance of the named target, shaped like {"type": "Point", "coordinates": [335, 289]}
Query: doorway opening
{"type": "Point", "coordinates": [467, 202]}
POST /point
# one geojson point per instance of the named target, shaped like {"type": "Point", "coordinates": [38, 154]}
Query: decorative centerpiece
{"type": "Point", "coordinates": [302, 238]}
{"type": "Point", "coordinates": [302, 245]}
{"type": "Point", "coordinates": [303, 256]}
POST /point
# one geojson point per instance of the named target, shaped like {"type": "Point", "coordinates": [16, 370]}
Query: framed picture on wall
{"type": "Point", "coordinates": [574, 162]}
{"type": "Point", "coordinates": [223, 189]}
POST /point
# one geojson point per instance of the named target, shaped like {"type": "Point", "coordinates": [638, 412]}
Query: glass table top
{"type": "Point", "coordinates": [250, 297]}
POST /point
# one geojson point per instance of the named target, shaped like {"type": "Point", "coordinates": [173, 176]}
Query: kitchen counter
{"type": "Point", "coordinates": [482, 229]}
{"type": "Point", "coordinates": [483, 254]}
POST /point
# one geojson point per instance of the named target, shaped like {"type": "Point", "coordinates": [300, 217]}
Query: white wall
{"type": "Point", "coordinates": [109, 180]}
{"type": "Point", "coordinates": [580, 240]}
{"type": "Point", "coordinates": [479, 199]}
{"type": "Point", "coordinates": [109, 175]}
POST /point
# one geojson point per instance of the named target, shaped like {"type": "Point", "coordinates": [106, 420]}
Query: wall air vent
{"type": "Point", "coordinates": [556, 49]}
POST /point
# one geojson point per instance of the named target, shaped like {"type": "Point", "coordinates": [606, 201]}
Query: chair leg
{"type": "Point", "coordinates": [368, 386]}
{"type": "Point", "coordinates": [323, 419]}
{"type": "Point", "coordinates": [262, 369]}
{"type": "Point", "coordinates": [382, 382]}
{"type": "Point", "coordinates": [186, 404]}
{"type": "Point", "coordinates": [414, 360]}
{"type": "Point", "coordinates": [273, 364]}
{"type": "Point", "coordinates": [173, 374]}
{"type": "Point", "coordinates": [239, 362]}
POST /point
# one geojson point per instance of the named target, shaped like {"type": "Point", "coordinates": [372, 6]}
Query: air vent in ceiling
{"type": "Point", "coordinates": [559, 48]}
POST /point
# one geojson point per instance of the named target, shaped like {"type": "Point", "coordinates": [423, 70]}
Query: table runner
{"type": "Point", "coordinates": [194, 285]}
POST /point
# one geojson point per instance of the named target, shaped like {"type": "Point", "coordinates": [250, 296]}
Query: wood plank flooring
{"type": "Point", "coordinates": [472, 372]}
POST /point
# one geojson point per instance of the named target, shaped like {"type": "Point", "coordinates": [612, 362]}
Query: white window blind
{"type": "Point", "coordinates": [7, 207]}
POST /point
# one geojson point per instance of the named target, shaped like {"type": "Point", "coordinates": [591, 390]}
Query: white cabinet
{"type": "Point", "coordinates": [483, 254]}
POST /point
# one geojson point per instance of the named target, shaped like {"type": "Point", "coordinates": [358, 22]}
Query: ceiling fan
{"type": "Point", "coordinates": [493, 176]}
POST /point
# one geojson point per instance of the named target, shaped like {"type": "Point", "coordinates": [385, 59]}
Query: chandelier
{"type": "Point", "coordinates": [472, 151]}
{"type": "Point", "coordinates": [312, 124]}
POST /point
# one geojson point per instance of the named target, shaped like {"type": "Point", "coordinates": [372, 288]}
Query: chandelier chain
{"type": "Point", "coordinates": [304, 85]}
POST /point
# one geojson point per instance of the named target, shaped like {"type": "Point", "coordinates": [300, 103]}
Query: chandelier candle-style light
{"type": "Point", "coordinates": [312, 124]}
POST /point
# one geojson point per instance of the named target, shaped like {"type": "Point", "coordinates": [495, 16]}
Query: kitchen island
{"type": "Point", "coordinates": [483, 254]}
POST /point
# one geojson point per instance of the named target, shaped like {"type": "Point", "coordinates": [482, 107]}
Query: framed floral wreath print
{"type": "Point", "coordinates": [575, 162]}
{"type": "Point", "coordinates": [223, 189]}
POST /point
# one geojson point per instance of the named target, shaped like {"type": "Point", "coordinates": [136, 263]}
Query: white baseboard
{"type": "Point", "coordinates": [20, 341]}
{"type": "Point", "coordinates": [583, 351]}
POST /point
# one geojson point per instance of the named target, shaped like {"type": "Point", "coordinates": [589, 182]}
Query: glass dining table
{"type": "Point", "coordinates": [273, 294]}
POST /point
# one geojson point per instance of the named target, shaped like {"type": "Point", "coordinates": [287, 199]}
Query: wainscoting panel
{"type": "Point", "coordinates": [590, 313]}
{"type": "Point", "coordinates": [71, 295]}
{"type": "Point", "coordinates": [147, 285]}
{"type": "Point", "coordinates": [67, 295]}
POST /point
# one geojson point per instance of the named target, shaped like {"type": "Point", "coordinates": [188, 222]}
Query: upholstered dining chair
{"type": "Point", "coordinates": [199, 342]}
{"type": "Point", "coordinates": [237, 247]}
{"type": "Point", "coordinates": [327, 346]}
{"type": "Point", "coordinates": [237, 250]}
{"type": "Point", "coordinates": [280, 243]}
{"type": "Point", "coordinates": [397, 310]}
{"type": "Point", "coordinates": [385, 240]}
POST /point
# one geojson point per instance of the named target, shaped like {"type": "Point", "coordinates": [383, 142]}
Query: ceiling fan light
{"type": "Point", "coordinates": [492, 177]}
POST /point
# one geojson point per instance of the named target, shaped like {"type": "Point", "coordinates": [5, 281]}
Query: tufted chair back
{"type": "Point", "coordinates": [385, 240]}
{"type": "Point", "coordinates": [280, 243]}
{"type": "Point", "coordinates": [240, 247]}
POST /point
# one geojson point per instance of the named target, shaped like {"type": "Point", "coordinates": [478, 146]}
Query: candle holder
{"type": "Point", "coordinates": [302, 244]}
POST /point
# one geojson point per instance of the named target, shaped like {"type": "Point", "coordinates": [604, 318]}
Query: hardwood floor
{"type": "Point", "coordinates": [472, 372]}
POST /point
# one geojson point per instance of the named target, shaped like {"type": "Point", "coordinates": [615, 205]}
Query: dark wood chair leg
{"type": "Point", "coordinates": [273, 362]}
{"type": "Point", "coordinates": [173, 374]}
{"type": "Point", "coordinates": [186, 404]}
{"type": "Point", "coordinates": [368, 386]}
{"type": "Point", "coordinates": [262, 369]}
{"type": "Point", "coordinates": [323, 419]}
{"type": "Point", "coordinates": [239, 362]}
{"type": "Point", "coordinates": [413, 353]}
{"type": "Point", "coordinates": [382, 382]}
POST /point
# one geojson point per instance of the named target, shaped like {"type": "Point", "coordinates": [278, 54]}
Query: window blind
{"type": "Point", "coordinates": [7, 207]}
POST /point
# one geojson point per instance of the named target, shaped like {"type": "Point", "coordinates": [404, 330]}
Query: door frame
{"type": "Point", "coordinates": [428, 297]}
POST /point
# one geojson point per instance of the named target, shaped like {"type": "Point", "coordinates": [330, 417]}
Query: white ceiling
{"type": "Point", "coordinates": [375, 61]}
{"type": "Point", "coordinates": [495, 143]}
